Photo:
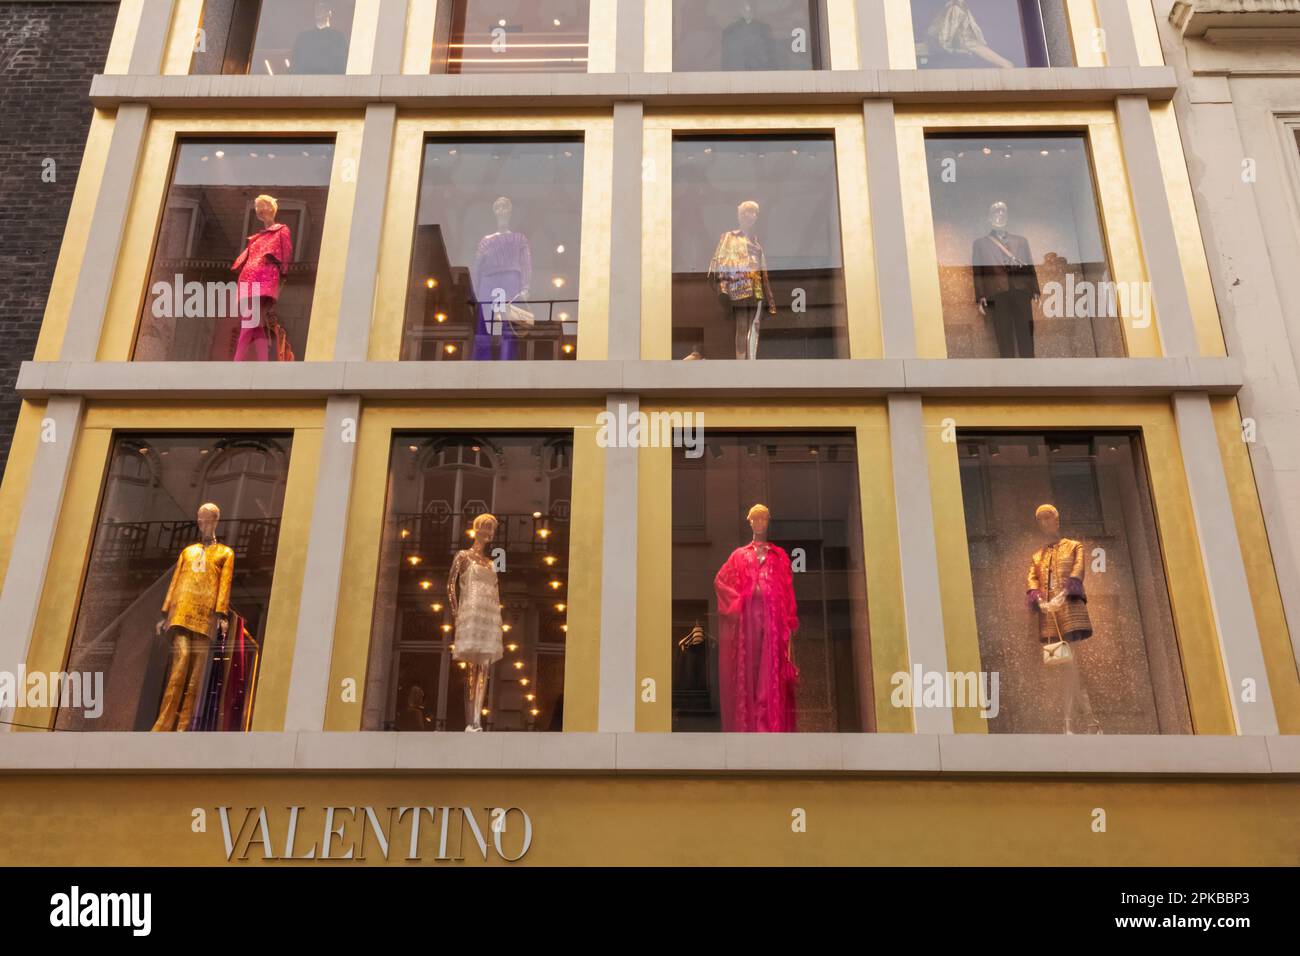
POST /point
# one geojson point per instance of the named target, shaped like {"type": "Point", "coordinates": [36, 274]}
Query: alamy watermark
{"type": "Point", "coordinates": [1108, 300]}
{"type": "Point", "coordinates": [947, 689]}
{"type": "Point", "coordinates": [179, 299]}
{"type": "Point", "coordinates": [78, 689]}
{"type": "Point", "coordinates": [637, 429]}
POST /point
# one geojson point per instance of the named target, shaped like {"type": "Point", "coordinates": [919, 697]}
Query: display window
{"type": "Point", "coordinates": [1071, 603]}
{"type": "Point", "coordinates": [991, 34]}
{"type": "Point", "coordinates": [757, 262]}
{"type": "Point", "coordinates": [173, 607]}
{"type": "Point", "coordinates": [512, 36]}
{"type": "Point", "coordinates": [769, 605]}
{"type": "Point", "coordinates": [495, 258]}
{"type": "Point", "coordinates": [470, 621]}
{"type": "Point", "coordinates": [235, 260]}
{"type": "Point", "coordinates": [749, 35]}
{"type": "Point", "coordinates": [1022, 257]}
{"type": "Point", "coordinates": [274, 37]}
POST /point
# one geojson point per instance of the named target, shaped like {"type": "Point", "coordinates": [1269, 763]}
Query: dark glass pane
{"type": "Point", "coordinates": [511, 36]}
{"type": "Point", "coordinates": [968, 34]}
{"type": "Point", "coordinates": [748, 35]}
{"type": "Point", "coordinates": [274, 37]}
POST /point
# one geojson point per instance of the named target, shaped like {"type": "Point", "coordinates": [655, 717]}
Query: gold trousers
{"type": "Point", "coordinates": [181, 696]}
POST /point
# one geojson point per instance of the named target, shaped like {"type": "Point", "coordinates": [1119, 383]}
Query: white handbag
{"type": "Point", "coordinates": [1058, 651]}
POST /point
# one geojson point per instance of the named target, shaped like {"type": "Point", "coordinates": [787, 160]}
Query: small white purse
{"type": "Point", "coordinates": [1057, 652]}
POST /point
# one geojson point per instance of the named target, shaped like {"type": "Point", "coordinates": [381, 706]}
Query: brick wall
{"type": "Point", "coordinates": [48, 53]}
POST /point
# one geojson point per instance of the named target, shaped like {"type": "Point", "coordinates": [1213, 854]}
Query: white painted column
{"type": "Point", "coordinates": [390, 37]}
{"type": "Point", "coordinates": [618, 688]}
{"type": "Point", "coordinates": [1225, 571]}
{"type": "Point", "coordinates": [629, 25]}
{"type": "Point", "coordinates": [313, 646]}
{"type": "Point", "coordinates": [151, 37]}
{"type": "Point", "coordinates": [1121, 44]}
{"type": "Point", "coordinates": [33, 543]}
{"type": "Point", "coordinates": [918, 554]}
{"type": "Point", "coordinates": [888, 230]}
{"type": "Point", "coordinates": [625, 235]}
{"type": "Point", "coordinates": [104, 239]}
{"type": "Point", "coordinates": [873, 39]}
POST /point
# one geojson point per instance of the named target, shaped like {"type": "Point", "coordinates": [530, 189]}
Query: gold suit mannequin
{"type": "Point", "coordinates": [199, 593]}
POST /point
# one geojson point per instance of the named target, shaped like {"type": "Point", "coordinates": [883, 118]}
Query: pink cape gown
{"type": "Point", "coordinates": [757, 682]}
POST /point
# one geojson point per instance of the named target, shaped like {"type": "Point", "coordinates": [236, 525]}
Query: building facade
{"type": "Point", "coordinates": [939, 285]}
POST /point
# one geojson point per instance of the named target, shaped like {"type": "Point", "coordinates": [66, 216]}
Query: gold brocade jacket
{"type": "Point", "coordinates": [1053, 569]}
{"type": "Point", "coordinates": [200, 587]}
{"type": "Point", "coordinates": [740, 265]}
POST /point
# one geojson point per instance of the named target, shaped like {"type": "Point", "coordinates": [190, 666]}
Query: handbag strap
{"type": "Point", "coordinates": [1015, 259]}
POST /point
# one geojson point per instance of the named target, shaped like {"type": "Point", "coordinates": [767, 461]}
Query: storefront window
{"type": "Point", "coordinates": [1023, 269]}
{"type": "Point", "coordinates": [494, 263]}
{"type": "Point", "coordinates": [748, 35]}
{"type": "Point", "coordinates": [470, 611]}
{"type": "Point", "coordinates": [173, 608]}
{"type": "Point", "coordinates": [969, 34]}
{"type": "Point", "coordinates": [1070, 597]}
{"type": "Point", "coordinates": [758, 270]}
{"type": "Point", "coordinates": [769, 616]}
{"type": "Point", "coordinates": [274, 37]}
{"type": "Point", "coordinates": [234, 269]}
{"type": "Point", "coordinates": [511, 36]}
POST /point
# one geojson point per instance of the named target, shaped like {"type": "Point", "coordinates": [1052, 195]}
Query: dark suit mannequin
{"type": "Point", "coordinates": [1006, 283]}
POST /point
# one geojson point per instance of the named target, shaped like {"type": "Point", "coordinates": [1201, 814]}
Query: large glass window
{"type": "Point", "coordinates": [967, 34]}
{"type": "Point", "coordinates": [748, 35]}
{"type": "Point", "coordinates": [470, 614]}
{"type": "Point", "coordinates": [173, 609]}
{"type": "Point", "coordinates": [1070, 596]}
{"type": "Point", "coordinates": [769, 614]}
{"type": "Point", "coordinates": [234, 268]}
{"type": "Point", "coordinates": [511, 36]}
{"type": "Point", "coordinates": [494, 262]}
{"type": "Point", "coordinates": [1023, 269]}
{"type": "Point", "coordinates": [758, 270]}
{"type": "Point", "coordinates": [274, 37]}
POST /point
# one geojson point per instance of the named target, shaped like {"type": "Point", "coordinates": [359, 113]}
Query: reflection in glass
{"type": "Point", "coordinates": [511, 36]}
{"type": "Point", "coordinates": [1023, 269]}
{"type": "Point", "coordinates": [748, 35]}
{"type": "Point", "coordinates": [494, 262]}
{"type": "Point", "coordinates": [757, 264]}
{"type": "Point", "coordinates": [173, 609]}
{"type": "Point", "coordinates": [433, 663]}
{"type": "Point", "coordinates": [769, 614]}
{"type": "Point", "coordinates": [234, 268]}
{"type": "Point", "coordinates": [274, 37]}
{"type": "Point", "coordinates": [967, 34]}
{"type": "Point", "coordinates": [1071, 603]}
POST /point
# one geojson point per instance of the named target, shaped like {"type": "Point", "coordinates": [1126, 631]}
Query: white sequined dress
{"type": "Point", "coordinates": [478, 610]}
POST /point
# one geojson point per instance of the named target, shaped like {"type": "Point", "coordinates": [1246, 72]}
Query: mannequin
{"type": "Point", "coordinates": [739, 276]}
{"type": "Point", "coordinates": [1006, 282]}
{"type": "Point", "coordinates": [956, 31]}
{"type": "Point", "coordinates": [755, 590]}
{"type": "Point", "coordinates": [322, 49]}
{"type": "Point", "coordinates": [261, 267]}
{"type": "Point", "coordinates": [1056, 593]}
{"type": "Point", "coordinates": [198, 595]}
{"type": "Point", "coordinates": [747, 43]}
{"type": "Point", "coordinates": [476, 609]}
{"type": "Point", "coordinates": [502, 272]}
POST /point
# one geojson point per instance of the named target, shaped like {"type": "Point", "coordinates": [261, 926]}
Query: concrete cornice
{"type": "Point", "coordinates": [826, 379]}
{"type": "Point", "coordinates": [643, 753]}
{"type": "Point", "coordinates": [599, 90]}
{"type": "Point", "coordinates": [1195, 17]}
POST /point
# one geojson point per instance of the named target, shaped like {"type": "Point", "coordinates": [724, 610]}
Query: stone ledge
{"type": "Point", "coordinates": [829, 379]}
{"type": "Point", "coordinates": [599, 90]}
{"type": "Point", "coordinates": [640, 753]}
{"type": "Point", "coordinates": [1196, 17]}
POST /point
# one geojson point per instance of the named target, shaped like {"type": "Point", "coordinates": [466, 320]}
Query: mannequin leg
{"type": "Point", "coordinates": [1081, 719]}
{"type": "Point", "coordinates": [1023, 320]}
{"type": "Point", "coordinates": [989, 56]}
{"type": "Point", "coordinates": [471, 714]}
{"type": "Point", "coordinates": [480, 691]}
{"type": "Point", "coordinates": [999, 313]}
{"type": "Point", "coordinates": [252, 345]}
{"type": "Point", "coordinates": [175, 687]}
{"type": "Point", "coordinates": [740, 315]}
{"type": "Point", "coordinates": [199, 645]}
{"type": "Point", "coordinates": [751, 340]}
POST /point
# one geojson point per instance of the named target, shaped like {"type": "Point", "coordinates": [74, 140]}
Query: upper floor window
{"type": "Point", "coordinates": [969, 34]}
{"type": "Point", "coordinates": [748, 35]}
{"type": "Point", "coordinates": [1023, 265]}
{"type": "Point", "coordinates": [511, 36]}
{"type": "Point", "coordinates": [273, 37]}
{"type": "Point", "coordinates": [234, 269]}
{"type": "Point", "coordinates": [495, 257]}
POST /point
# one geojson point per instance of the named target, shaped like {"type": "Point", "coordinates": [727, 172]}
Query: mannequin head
{"type": "Point", "coordinates": [485, 529]}
{"type": "Point", "coordinates": [747, 214]}
{"type": "Point", "coordinates": [208, 516]}
{"type": "Point", "coordinates": [324, 15]}
{"type": "Point", "coordinates": [502, 209]}
{"type": "Point", "coordinates": [1049, 521]}
{"type": "Point", "coordinates": [265, 208]}
{"type": "Point", "coordinates": [747, 11]}
{"type": "Point", "coordinates": [998, 215]}
{"type": "Point", "coordinates": [759, 518]}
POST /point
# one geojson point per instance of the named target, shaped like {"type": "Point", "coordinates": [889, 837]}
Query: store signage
{"type": "Point", "coordinates": [440, 834]}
